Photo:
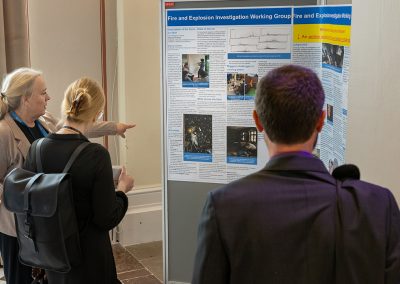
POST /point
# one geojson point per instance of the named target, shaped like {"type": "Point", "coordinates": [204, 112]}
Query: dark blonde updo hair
{"type": "Point", "coordinates": [83, 100]}
{"type": "Point", "coordinates": [15, 85]}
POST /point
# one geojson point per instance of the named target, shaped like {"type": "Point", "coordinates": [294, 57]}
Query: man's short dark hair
{"type": "Point", "coordinates": [289, 102]}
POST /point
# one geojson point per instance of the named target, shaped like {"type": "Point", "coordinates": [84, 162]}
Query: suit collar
{"type": "Point", "coordinates": [296, 162]}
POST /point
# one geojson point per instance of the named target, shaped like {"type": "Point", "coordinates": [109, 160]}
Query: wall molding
{"type": "Point", "coordinates": [143, 220]}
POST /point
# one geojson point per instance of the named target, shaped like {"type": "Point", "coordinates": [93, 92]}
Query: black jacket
{"type": "Point", "coordinates": [282, 225]}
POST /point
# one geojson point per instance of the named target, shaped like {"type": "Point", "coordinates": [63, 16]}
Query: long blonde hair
{"type": "Point", "coordinates": [83, 100]}
{"type": "Point", "coordinates": [15, 85]}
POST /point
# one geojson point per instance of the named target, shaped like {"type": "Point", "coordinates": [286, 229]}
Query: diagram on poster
{"type": "Point", "coordinates": [259, 40]}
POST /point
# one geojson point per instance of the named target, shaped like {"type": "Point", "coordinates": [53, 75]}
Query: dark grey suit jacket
{"type": "Point", "coordinates": [282, 225]}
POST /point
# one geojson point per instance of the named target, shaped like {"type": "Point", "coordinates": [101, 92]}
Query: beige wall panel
{"type": "Point", "coordinates": [139, 32]}
{"type": "Point", "coordinates": [112, 74]}
{"type": "Point", "coordinates": [374, 92]}
{"type": "Point", "coordinates": [65, 43]}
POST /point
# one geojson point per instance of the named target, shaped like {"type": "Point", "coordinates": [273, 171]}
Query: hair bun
{"type": "Point", "coordinates": [83, 99]}
{"type": "Point", "coordinates": [80, 95]}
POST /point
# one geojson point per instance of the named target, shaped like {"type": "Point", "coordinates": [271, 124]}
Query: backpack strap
{"type": "Point", "coordinates": [342, 173]}
{"type": "Point", "coordinates": [27, 191]}
{"type": "Point", "coordinates": [28, 222]}
{"type": "Point", "coordinates": [75, 154]}
{"type": "Point", "coordinates": [39, 166]}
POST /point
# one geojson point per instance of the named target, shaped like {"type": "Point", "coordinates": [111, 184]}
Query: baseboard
{"type": "Point", "coordinates": [143, 220]}
{"type": "Point", "coordinates": [174, 282]}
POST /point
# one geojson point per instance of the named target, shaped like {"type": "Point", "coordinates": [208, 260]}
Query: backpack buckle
{"type": "Point", "coordinates": [28, 226]}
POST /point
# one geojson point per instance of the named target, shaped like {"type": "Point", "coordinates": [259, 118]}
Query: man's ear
{"type": "Point", "coordinates": [321, 121]}
{"type": "Point", "coordinates": [259, 126]}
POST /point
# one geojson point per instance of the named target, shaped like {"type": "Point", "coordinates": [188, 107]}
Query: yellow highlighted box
{"type": "Point", "coordinates": [317, 33]}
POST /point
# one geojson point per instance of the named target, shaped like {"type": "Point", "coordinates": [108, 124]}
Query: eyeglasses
{"type": "Point", "coordinates": [100, 115]}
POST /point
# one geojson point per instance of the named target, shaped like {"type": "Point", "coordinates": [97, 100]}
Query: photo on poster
{"type": "Point", "coordinates": [329, 113]}
{"type": "Point", "coordinates": [235, 84]}
{"type": "Point", "coordinates": [332, 56]}
{"type": "Point", "coordinates": [332, 164]}
{"type": "Point", "coordinates": [251, 81]}
{"type": "Point", "coordinates": [317, 152]}
{"type": "Point", "coordinates": [197, 137]}
{"type": "Point", "coordinates": [195, 70]}
{"type": "Point", "coordinates": [241, 145]}
{"type": "Point", "coordinates": [241, 86]}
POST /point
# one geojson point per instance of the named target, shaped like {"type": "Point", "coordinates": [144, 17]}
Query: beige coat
{"type": "Point", "coordinates": [14, 147]}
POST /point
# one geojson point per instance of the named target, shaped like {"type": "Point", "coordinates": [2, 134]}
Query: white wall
{"type": "Point", "coordinates": [139, 46]}
{"type": "Point", "coordinates": [374, 92]}
{"type": "Point", "coordinates": [112, 75]}
{"type": "Point", "coordinates": [139, 87]}
{"type": "Point", "coordinates": [65, 45]}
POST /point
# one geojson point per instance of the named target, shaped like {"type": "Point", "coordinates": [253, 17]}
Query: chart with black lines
{"type": "Point", "coordinates": [259, 40]}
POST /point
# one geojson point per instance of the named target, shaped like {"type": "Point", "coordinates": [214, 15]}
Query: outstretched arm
{"type": "Point", "coordinates": [105, 128]}
{"type": "Point", "coordinates": [99, 129]}
{"type": "Point", "coordinates": [123, 127]}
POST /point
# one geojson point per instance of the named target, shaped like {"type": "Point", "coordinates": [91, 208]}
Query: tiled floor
{"type": "Point", "coordinates": [138, 264]}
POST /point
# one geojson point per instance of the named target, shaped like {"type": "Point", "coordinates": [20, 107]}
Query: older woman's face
{"type": "Point", "coordinates": [37, 102]}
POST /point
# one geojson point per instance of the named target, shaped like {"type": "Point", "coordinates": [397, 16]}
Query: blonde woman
{"type": "Point", "coordinates": [23, 119]}
{"type": "Point", "coordinates": [98, 207]}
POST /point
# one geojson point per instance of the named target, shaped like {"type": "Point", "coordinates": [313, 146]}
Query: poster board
{"type": "Point", "coordinates": [213, 54]}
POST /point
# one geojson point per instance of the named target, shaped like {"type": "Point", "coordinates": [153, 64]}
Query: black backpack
{"type": "Point", "coordinates": [46, 224]}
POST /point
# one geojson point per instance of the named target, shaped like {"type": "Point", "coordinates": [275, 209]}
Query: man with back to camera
{"type": "Point", "coordinates": [292, 222]}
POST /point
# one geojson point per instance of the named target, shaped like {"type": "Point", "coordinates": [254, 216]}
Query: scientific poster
{"type": "Point", "coordinates": [214, 59]}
